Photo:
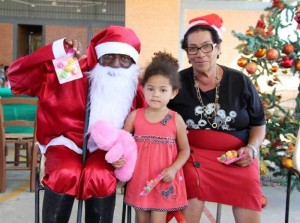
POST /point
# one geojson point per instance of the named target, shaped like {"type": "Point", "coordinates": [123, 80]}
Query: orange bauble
{"type": "Point", "coordinates": [274, 68]}
{"type": "Point", "coordinates": [250, 32]}
{"type": "Point", "coordinates": [261, 52]}
{"type": "Point", "coordinates": [251, 68]}
{"type": "Point", "coordinates": [259, 31]}
{"type": "Point", "coordinates": [242, 62]}
{"type": "Point", "coordinates": [297, 65]}
{"type": "Point", "coordinates": [264, 201]}
{"type": "Point", "coordinates": [270, 27]}
{"type": "Point", "coordinates": [286, 162]}
{"type": "Point", "coordinates": [272, 54]}
{"type": "Point", "coordinates": [288, 48]}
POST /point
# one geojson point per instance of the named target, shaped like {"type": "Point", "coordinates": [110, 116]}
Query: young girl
{"type": "Point", "coordinates": [162, 142]}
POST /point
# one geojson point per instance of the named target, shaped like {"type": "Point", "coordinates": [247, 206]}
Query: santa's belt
{"type": "Point", "coordinates": [61, 140]}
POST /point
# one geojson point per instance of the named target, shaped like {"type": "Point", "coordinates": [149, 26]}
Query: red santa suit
{"type": "Point", "coordinates": [61, 115]}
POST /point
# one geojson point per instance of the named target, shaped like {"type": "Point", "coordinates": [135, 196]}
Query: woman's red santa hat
{"type": "Point", "coordinates": [212, 20]}
{"type": "Point", "coordinates": [113, 40]}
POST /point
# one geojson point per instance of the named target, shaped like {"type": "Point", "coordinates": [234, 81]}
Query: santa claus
{"type": "Point", "coordinates": [110, 71]}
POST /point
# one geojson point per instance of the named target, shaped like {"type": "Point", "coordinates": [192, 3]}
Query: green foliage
{"type": "Point", "coordinates": [282, 124]}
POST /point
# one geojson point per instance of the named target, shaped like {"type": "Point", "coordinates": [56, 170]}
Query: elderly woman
{"type": "Point", "coordinates": [223, 112]}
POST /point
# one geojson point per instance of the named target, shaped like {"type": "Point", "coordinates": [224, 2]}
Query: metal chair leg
{"type": "Point", "coordinates": [288, 192]}
{"type": "Point", "coordinates": [38, 188]}
{"type": "Point", "coordinates": [123, 211]}
{"type": "Point", "coordinates": [37, 197]}
{"type": "Point", "coordinates": [126, 208]}
{"type": "Point", "coordinates": [128, 214]}
{"type": "Point", "coordinates": [218, 216]}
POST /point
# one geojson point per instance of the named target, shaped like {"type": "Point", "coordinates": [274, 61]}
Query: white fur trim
{"type": "Point", "coordinates": [112, 92]}
{"type": "Point", "coordinates": [200, 22]}
{"type": "Point", "coordinates": [61, 140]}
{"type": "Point", "coordinates": [58, 48]}
{"type": "Point", "coordinates": [117, 48]}
{"type": "Point", "coordinates": [92, 146]}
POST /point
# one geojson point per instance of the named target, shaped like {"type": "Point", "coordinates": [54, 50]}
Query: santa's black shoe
{"type": "Point", "coordinates": [57, 207]}
{"type": "Point", "coordinates": [100, 209]}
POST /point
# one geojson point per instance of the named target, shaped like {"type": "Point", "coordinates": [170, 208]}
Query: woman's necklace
{"type": "Point", "coordinates": [207, 114]}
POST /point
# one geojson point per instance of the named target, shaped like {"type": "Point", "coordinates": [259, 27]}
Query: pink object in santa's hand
{"type": "Point", "coordinates": [151, 184]}
{"type": "Point", "coordinates": [67, 68]}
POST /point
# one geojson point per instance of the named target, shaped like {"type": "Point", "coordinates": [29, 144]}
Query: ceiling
{"type": "Point", "coordinates": [59, 3]}
{"type": "Point", "coordinates": [113, 10]}
{"type": "Point", "coordinates": [78, 5]}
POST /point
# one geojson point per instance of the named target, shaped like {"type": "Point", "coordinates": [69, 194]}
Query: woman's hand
{"type": "Point", "coordinates": [247, 160]}
{"type": "Point", "coordinates": [118, 164]}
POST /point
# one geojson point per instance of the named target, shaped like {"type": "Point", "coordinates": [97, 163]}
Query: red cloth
{"type": "Point", "coordinates": [63, 170]}
{"type": "Point", "coordinates": [178, 216]}
{"type": "Point", "coordinates": [65, 173]}
{"type": "Point", "coordinates": [216, 182]}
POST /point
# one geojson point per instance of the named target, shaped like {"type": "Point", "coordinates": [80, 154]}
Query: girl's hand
{"type": "Point", "coordinates": [169, 174]}
{"type": "Point", "coordinates": [118, 164]}
{"type": "Point", "coordinates": [247, 160]}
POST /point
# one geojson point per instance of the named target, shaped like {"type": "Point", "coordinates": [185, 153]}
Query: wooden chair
{"type": "Point", "coordinates": [295, 170]}
{"type": "Point", "coordinates": [8, 136]}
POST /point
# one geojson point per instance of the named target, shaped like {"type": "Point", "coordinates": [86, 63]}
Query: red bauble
{"type": "Point", "coordinates": [251, 68]}
{"type": "Point", "coordinates": [260, 24]}
{"type": "Point", "coordinates": [264, 201]}
{"type": "Point", "coordinates": [297, 19]}
{"type": "Point", "coordinates": [272, 54]}
{"type": "Point", "coordinates": [287, 62]}
{"type": "Point", "coordinates": [278, 4]}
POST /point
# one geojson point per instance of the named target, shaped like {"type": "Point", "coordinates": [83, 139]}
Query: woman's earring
{"type": "Point", "coordinates": [189, 61]}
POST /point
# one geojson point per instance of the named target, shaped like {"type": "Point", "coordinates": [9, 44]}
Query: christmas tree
{"type": "Point", "coordinates": [266, 53]}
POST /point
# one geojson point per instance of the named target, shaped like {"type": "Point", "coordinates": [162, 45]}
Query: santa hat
{"type": "Point", "coordinates": [113, 40]}
{"type": "Point", "coordinates": [211, 20]}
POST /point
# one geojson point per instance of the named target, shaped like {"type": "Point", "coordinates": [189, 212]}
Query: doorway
{"type": "Point", "coordinates": [29, 39]}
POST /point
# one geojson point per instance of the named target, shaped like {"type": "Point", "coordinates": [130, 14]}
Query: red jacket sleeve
{"type": "Point", "coordinates": [27, 74]}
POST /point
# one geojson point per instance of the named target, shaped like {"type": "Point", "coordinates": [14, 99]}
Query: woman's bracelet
{"type": "Point", "coordinates": [255, 151]}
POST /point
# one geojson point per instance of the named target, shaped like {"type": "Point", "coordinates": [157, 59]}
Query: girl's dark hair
{"type": "Point", "coordinates": [163, 64]}
{"type": "Point", "coordinates": [213, 32]}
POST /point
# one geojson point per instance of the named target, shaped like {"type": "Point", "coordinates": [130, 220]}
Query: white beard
{"type": "Point", "coordinates": [112, 92]}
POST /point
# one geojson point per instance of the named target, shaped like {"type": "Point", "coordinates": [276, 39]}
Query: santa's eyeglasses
{"type": "Point", "coordinates": [116, 60]}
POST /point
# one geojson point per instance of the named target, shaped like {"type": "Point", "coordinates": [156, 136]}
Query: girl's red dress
{"type": "Point", "coordinates": [157, 150]}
